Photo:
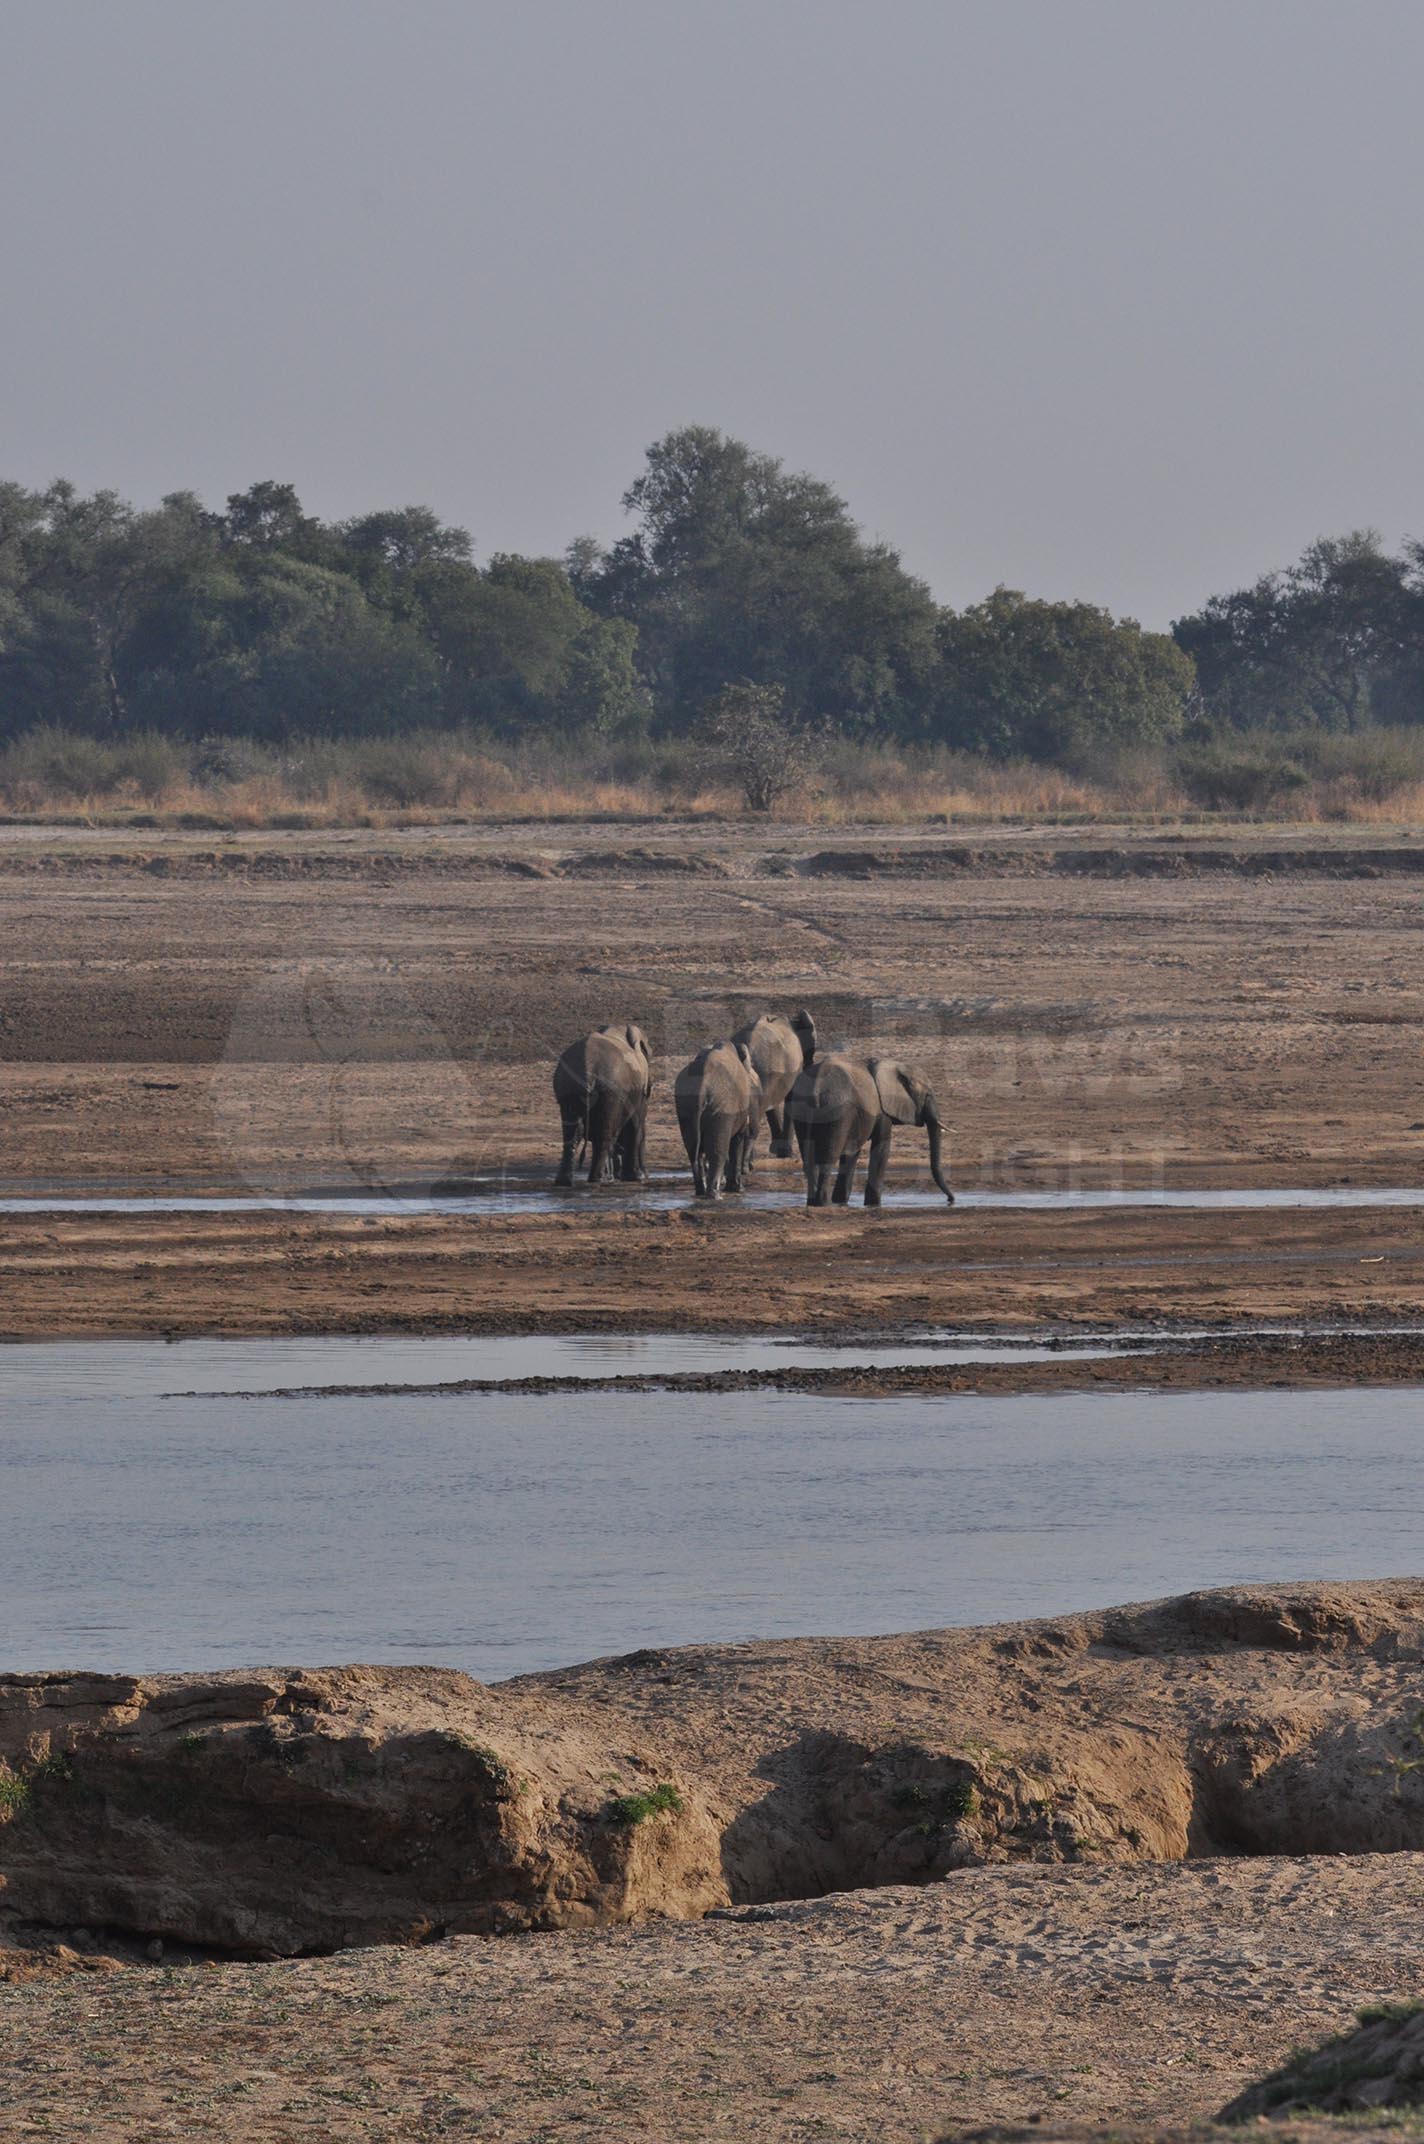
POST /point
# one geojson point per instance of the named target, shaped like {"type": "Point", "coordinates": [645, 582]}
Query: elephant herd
{"type": "Point", "coordinates": [833, 1105]}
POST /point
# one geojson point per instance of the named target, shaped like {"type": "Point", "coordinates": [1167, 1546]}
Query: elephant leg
{"type": "Point", "coordinates": [628, 1169]}
{"type": "Point", "coordinates": [738, 1163]}
{"type": "Point", "coordinates": [600, 1139]}
{"type": "Point", "coordinates": [573, 1130]}
{"type": "Point", "coordinates": [879, 1155]}
{"type": "Point", "coordinates": [716, 1146]}
{"type": "Point", "coordinates": [779, 1124]}
{"type": "Point", "coordinates": [748, 1158]}
{"type": "Point", "coordinates": [818, 1183]}
{"type": "Point", "coordinates": [845, 1178]}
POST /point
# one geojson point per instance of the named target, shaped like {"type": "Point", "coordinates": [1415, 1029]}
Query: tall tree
{"type": "Point", "coordinates": [1022, 678]}
{"type": "Point", "coordinates": [1331, 641]}
{"type": "Point", "coordinates": [739, 569]}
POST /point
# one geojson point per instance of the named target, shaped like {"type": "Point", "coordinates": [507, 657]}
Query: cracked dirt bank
{"type": "Point", "coordinates": [289, 1810]}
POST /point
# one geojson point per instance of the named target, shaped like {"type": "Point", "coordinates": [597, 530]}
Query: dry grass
{"type": "Point", "coordinates": [54, 777]}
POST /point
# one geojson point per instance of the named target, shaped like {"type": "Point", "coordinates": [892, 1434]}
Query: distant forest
{"type": "Point", "coordinates": [262, 621]}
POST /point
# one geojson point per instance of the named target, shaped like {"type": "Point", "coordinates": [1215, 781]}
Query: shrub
{"type": "Point", "coordinates": [1371, 766]}
{"type": "Point", "coordinates": [627, 1811]}
{"type": "Point", "coordinates": [152, 762]}
{"type": "Point", "coordinates": [748, 741]}
{"type": "Point", "coordinates": [1244, 777]}
{"type": "Point", "coordinates": [57, 762]}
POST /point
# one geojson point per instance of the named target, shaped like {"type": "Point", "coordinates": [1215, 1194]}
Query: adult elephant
{"type": "Point", "coordinates": [718, 1097]}
{"type": "Point", "coordinates": [838, 1103]}
{"type": "Point", "coordinates": [601, 1085]}
{"type": "Point", "coordinates": [780, 1050]}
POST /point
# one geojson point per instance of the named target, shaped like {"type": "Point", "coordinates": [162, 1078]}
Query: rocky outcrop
{"type": "Point", "coordinates": [289, 1811]}
{"type": "Point", "coordinates": [292, 1810]}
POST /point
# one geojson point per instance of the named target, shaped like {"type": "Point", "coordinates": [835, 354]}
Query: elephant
{"type": "Point", "coordinates": [601, 1085]}
{"type": "Point", "coordinates": [780, 1050]}
{"type": "Point", "coordinates": [838, 1103]}
{"type": "Point", "coordinates": [719, 1106]}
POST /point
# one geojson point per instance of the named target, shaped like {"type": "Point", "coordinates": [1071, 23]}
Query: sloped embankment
{"type": "Point", "coordinates": [291, 1810]}
{"type": "Point", "coordinates": [1380, 2064]}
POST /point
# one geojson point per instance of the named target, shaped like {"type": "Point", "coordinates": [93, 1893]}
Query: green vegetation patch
{"type": "Point", "coordinates": [14, 1796]}
{"type": "Point", "coordinates": [626, 1811]}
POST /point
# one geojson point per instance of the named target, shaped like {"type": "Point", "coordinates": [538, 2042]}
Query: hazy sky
{"type": "Point", "coordinates": [1107, 298]}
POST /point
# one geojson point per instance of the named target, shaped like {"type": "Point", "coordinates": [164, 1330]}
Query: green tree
{"type": "Point", "coordinates": [740, 569]}
{"type": "Point", "coordinates": [91, 566]}
{"type": "Point", "coordinates": [269, 517]}
{"type": "Point", "coordinates": [521, 649]}
{"type": "Point", "coordinates": [1336, 641]}
{"type": "Point", "coordinates": [1037, 680]}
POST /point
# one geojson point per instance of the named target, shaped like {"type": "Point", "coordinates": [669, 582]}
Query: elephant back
{"type": "Point", "coordinates": [830, 1086]}
{"type": "Point", "coordinates": [717, 1075]}
{"type": "Point", "coordinates": [776, 1051]}
{"type": "Point", "coordinates": [605, 1058]}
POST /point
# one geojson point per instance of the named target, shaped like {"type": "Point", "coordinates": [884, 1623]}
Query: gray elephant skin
{"type": "Point", "coordinates": [718, 1098]}
{"type": "Point", "coordinates": [839, 1103]}
{"type": "Point", "coordinates": [780, 1050]}
{"type": "Point", "coordinates": [601, 1085]}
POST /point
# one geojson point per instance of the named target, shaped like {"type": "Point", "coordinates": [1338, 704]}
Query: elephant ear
{"type": "Point", "coordinates": [638, 1042]}
{"type": "Point", "coordinates": [901, 1095]}
{"type": "Point", "coordinates": [804, 1029]}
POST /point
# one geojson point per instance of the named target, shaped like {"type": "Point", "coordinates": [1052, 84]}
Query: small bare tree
{"type": "Point", "coordinates": [748, 740]}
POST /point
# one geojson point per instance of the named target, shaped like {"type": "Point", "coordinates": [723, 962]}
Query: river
{"type": "Point", "coordinates": [502, 1532]}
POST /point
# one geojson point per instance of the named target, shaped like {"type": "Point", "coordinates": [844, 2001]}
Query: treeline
{"type": "Point", "coordinates": [265, 622]}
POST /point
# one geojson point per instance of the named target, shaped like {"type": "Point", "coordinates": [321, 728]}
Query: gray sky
{"type": "Point", "coordinates": [1118, 299]}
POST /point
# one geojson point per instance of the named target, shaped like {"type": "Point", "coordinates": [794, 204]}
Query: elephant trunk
{"type": "Point", "coordinates": [932, 1128]}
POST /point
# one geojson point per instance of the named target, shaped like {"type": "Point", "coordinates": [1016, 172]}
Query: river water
{"type": "Point", "coordinates": [501, 1532]}
{"type": "Point", "coordinates": [665, 1193]}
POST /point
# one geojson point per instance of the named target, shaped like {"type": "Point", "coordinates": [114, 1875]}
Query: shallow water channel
{"type": "Point", "coordinates": [507, 1531]}
{"type": "Point", "coordinates": [665, 1193]}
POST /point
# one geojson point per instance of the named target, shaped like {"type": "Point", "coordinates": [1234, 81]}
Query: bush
{"type": "Point", "coordinates": [747, 740]}
{"type": "Point", "coordinates": [627, 1811]}
{"type": "Point", "coordinates": [150, 761]}
{"type": "Point", "coordinates": [233, 759]}
{"type": "Point", "coordinates": [1244, 777]}
{"type": "Point", "coordinates": [1261, 772]}
{"type": "Point", "coordinates": [408, 771]}
{"type": "Point", "coordinates": [56, 762]}
{"type": "Point", "coordinates": [1371, 766]}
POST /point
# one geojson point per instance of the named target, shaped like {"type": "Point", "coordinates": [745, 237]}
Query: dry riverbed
{"type": "Point", "coordinates": [272, 1012]}
{"type": "Point", "coordinates": [1106, 1997]}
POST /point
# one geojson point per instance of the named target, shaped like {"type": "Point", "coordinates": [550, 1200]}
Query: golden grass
{"type": "Point", "coordinates": [434, 780]}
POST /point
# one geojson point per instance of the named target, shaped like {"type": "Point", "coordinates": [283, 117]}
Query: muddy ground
{"type": "Point", "coordinates": [273, 1012]}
